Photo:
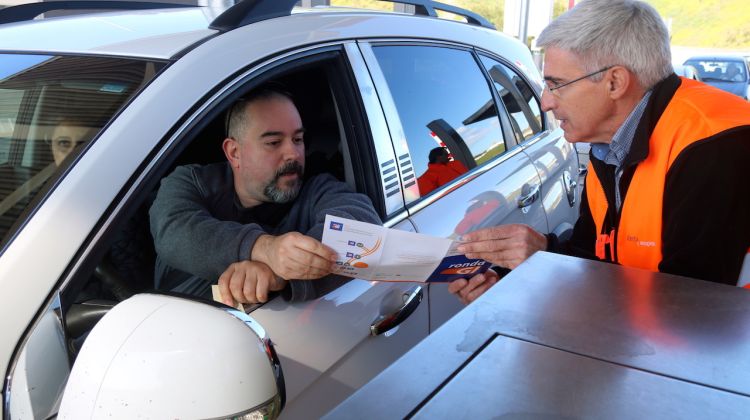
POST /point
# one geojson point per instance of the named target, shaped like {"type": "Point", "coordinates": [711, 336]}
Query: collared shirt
{"type": "Point", "coordinates": [614, 153]}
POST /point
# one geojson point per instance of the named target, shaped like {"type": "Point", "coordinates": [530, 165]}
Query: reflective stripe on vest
{"type": "Point", "coordinates": [696, 111]}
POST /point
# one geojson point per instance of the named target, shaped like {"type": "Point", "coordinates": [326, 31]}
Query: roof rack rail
{"type": "Point", "coordinates": [427, 8]}
{"type": "Point", "coordinates": [246, 12]}
{"type": "Point", "coordinates": [29, 11]}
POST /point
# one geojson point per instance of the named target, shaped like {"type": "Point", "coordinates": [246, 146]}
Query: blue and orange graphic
{"type": "Point", "coordinates": [355, 257]}
{"type": "Point", "coordinates": [457, 267]}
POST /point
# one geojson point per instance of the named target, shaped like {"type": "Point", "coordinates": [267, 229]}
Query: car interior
{"type": "Point", "coordinates": [123, 263]}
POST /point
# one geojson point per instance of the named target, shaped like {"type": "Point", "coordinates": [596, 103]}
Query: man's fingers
{"type": "Point", "coordinates": [237, 285]}
{"type": "Point", "coordinates": [298, 256]}
{"type": "Point", "coordinates": [494, 232]}
{"type": "Point", "coordinates": [479, 291]}
{"type": "Point", "coordinates": [312, 246]}
{"type": "Point", "coordinates": [226, 294]}
{"type": "Point", "coordinates": [456, 285]}
{"type": "Point", "coordinates": [261, 287]}
{"type": "Point", "coordinates": [249, 281]}
{"type": "Point", "coordinates": [310, 266]}
{"type": "Point", "coordinates": [470, 290]}
{"type": "Point", "coordinates": [501, 258]}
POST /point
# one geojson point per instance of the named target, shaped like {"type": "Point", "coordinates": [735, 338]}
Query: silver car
{"type": "Point", "coordinates": [727, 72]}
{"type": "Point", "coordinates": [147, 90]}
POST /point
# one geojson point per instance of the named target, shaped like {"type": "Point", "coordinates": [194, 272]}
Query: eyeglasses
{"type": "Point", "coordinates": [556, 87]}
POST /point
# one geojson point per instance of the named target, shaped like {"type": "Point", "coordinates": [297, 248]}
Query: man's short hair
{"type": "Point", "coordinates": [602, 33]}
{"type": "Point", "coordinates": [436, 153]}
{"type": "Point", "coordinates": [236, 119]}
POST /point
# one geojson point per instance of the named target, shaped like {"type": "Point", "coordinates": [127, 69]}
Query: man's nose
{"type": "Point", "coordinates": [293, 150]}
{"type": "Point", "coordinates": [548, 100]}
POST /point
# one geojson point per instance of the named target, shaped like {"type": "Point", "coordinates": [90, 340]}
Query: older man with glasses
{"type": "Point", "coordinates": [666, 188]}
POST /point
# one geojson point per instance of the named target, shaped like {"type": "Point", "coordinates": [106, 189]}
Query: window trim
{"type": "Point", "coordinates": [397, 131]}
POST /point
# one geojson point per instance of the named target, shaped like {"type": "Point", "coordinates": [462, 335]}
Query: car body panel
{"type": "Point", "coordinates": [163, 32]}
{"type": "Point", "coordinates": [99, 183]}
{"type": "Point", "coordinates": [345, 316]}
{"type": "Point", "coordinates": [558, 170]}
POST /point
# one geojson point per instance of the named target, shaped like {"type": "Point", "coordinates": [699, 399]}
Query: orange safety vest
{"type": "Point", "coordinates": [695, 112]}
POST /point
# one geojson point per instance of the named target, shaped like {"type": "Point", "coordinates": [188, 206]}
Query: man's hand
{"type": "Point", "coordinates": [468, 290]}
{"type": "Point", "coordinates": [294, 256]}
{"type": "Point", "coordinates": [248, 282]}
{"type": "Point", "coordinates": [505, 245]}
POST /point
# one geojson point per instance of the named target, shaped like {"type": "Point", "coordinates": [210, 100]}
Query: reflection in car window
{"type": "Point", "coordinates": [719, 70]}
{"type": "Point", "coordinates": [518, 98]}
{"type": "Point", "coordinates": [443, 101]}
{"type": "Point", "coordinates": [10, 104]}
{"type": "Point", "coordinates": [49, 107]}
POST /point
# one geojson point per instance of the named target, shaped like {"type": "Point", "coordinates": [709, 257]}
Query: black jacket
{"type": "Point", "coordinates": [706, 213]}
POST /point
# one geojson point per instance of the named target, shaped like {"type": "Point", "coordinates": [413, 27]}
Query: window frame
{"type": "Point", "coordinates": [399, 141]}
{"type": "Point", "coordinates": [527, 111]}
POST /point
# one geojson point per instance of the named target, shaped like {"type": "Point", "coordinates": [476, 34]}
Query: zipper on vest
{"type": "Point", "coordinates": [605, 245]}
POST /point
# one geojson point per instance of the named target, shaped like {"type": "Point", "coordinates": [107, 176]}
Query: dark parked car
{"type": "Point", "coordinates": [726, 72]}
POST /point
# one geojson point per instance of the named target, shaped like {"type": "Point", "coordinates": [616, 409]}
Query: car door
{"type": "Point", "coordinates": [327, 346]}
{"type": "Point", "coordinates": [438, 96]}
{"type": "Point", "coordinates": [555, 159]}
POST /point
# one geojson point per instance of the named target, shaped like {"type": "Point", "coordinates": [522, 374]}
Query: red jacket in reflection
{"type": "Point", "coordinates": [438, 174]}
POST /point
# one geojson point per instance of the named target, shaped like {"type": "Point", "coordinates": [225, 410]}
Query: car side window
{"type": "Point", "coordinates": [10, 106]}
{"type": "Point", "coordinates": [517, 97]}
{"type": "Point", "coordinates": [446, 109]}
{"type": "Point", "coordinates": [50, 107]}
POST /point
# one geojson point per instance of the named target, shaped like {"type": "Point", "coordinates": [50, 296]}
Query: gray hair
{"type": "Point", "coordinates": [629, 33]}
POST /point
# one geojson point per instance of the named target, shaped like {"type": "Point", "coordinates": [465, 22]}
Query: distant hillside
{"type": "Point", "coordinates": [707, 23]}
{"type": "Point", "coordinates": [695, 23]}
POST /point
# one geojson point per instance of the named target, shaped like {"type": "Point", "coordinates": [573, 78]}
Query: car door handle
{"type": "Point", "coordinates": [528, 198]}
{"type": "Point", "coordinates": [384, 323]}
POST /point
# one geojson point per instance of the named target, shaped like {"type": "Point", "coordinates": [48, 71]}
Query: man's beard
{"type": "Point", "coordinates": [279, 195]}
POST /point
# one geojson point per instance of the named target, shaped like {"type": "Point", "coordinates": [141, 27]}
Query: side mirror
{"type": "Point", "coordinates": [160, 356]}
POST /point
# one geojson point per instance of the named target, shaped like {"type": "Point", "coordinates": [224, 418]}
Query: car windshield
{"type": "Point", "coordinates": [50, 107]}
{"type": "Point", "coordinates": [720, 70]}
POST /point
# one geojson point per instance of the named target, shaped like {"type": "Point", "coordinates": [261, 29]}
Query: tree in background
{"type": "Point", "coordinates": [491, 10]}
{"type": "Point", "coordinates": [695, 23]}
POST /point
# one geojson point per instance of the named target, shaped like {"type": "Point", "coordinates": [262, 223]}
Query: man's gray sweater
{"type": "Point", "coordinates": [200, 227]}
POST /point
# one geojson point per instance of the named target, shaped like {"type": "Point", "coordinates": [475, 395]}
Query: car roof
{"type": "Point", "coordinates": [717, 57]}
{"type": "Point", "coordinates": [151, 33]}
{"type": "Point", "coordinates": [159, 33]}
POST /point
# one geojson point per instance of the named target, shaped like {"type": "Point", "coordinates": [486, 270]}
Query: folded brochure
{"type": "Point", "coordinates": [374, 252]}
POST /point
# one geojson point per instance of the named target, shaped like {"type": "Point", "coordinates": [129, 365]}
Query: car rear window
{"type": "Point", "coordinates": [50, 108]}
{"type": "Point", "coordinates": [719, 70]}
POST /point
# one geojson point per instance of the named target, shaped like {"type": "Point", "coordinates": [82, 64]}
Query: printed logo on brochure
{"type": "Point", "coordinates": [461, 270]}
{"type": "Point", "coordinates": [457, 266]}
{"type": "Point", "coordinates": [336, 226]}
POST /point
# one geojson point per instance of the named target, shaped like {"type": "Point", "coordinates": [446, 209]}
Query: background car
{"type": "Point", "coordinates": [376, 92]}
{"type": "Point", "coordinates": [726, 72]}
{"type": "Point", "coordinates": [687, 71]}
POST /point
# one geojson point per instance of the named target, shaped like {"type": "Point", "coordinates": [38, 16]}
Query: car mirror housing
{"type": "Point", "coordinates": [162, 356]}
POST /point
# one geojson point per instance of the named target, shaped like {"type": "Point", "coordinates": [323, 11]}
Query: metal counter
{"type": "Point", "coordinates": [561, 337]}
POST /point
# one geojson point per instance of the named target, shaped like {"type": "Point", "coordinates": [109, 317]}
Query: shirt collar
{"type": "Point", "coordinates": [614, 153]}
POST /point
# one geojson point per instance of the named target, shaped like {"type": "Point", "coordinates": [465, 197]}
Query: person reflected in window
{"type": "Point", "coordinates": [67, 135]}
{"type": "Point", "coordinates": [441, 169]}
